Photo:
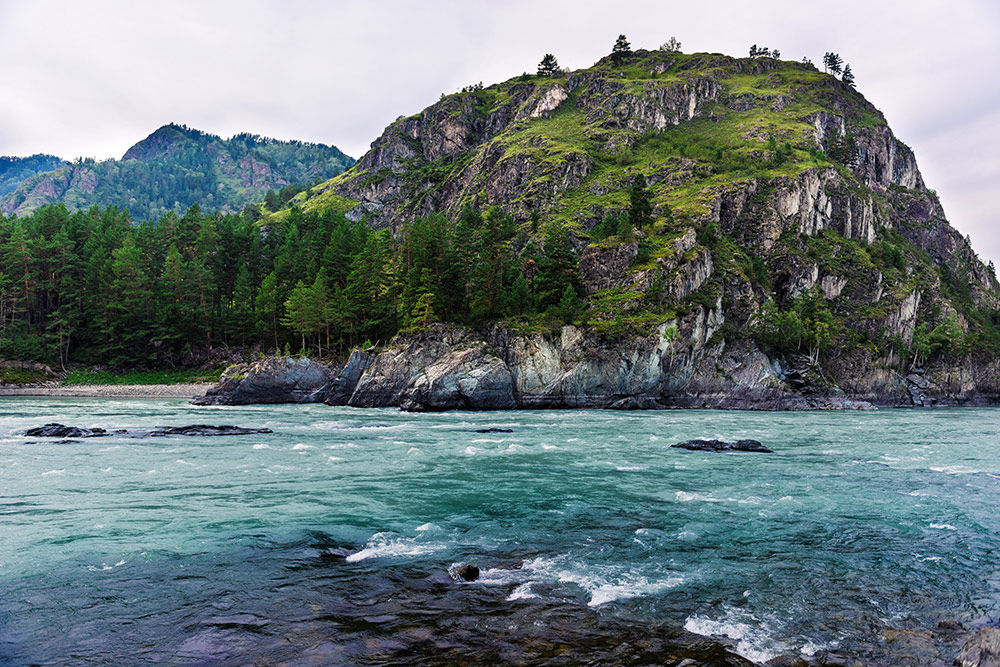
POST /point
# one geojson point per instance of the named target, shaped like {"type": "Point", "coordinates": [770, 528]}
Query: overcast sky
{"type": "Point", "coordinates": [91, 77]}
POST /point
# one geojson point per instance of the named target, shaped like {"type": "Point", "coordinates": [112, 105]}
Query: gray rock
{"type": "Point", "coordinates": [442, 368]}
{"type": "Point", "coordinates": [341, 388]}
{"type": "Point", "coordinates": [981, 649]}
{"type": "Point", "coordinates": [466, 572]}
{"type": "Point", "coordinates": [270, 380]}
{"type": "Point", "coordinates": [61, 431]}
{"type": "Point", "coordinates": [720, 446]}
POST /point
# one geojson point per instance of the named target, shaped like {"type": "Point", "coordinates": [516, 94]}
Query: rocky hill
{"type": "Point", "coordinates": [176, 167]}
{"type": "Point", "coordinates": [15, 170]}
{"type": "Point", "coordinates": [793, 256]}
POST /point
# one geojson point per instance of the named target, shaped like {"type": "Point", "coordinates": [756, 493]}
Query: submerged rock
{"type": "Point", "coordinates": [720, 446]}
{"type": "Point", "coordinates": [270, 380]}
{"type": "Point", "coordinates": [203, 429]}
{"type": "Point", "coordinates": [61, 431]}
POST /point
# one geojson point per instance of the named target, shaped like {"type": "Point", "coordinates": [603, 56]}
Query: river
{"type": "Point", "coordinates": [329, 541]}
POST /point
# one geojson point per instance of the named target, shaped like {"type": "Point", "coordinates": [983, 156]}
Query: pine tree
{"type": "Point", "coordinates": [848, 76]}
{"type": "Point", "coordinates": [640, 202]}
{"type": "Point", "coordinates": [549, 66]}
{"type": "Point", "coordinates": [621, 49]}
{"type": "Point", "coordinates": [671, 45]}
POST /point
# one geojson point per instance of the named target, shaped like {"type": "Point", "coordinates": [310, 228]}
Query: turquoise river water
{"type": "Point", "coordinates": [330, 540]}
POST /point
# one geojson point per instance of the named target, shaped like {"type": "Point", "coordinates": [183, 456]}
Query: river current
{"type": "Point", "coordinates": [330, 540]}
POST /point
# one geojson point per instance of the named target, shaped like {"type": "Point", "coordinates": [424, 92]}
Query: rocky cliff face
{"type": "Point", "coordinates": [449, 368]}
{"type": "Point", "coordinates": [795, 257]}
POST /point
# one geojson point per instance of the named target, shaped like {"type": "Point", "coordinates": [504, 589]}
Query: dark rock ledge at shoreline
{"type": "Point", "coordinates": [447, 367]}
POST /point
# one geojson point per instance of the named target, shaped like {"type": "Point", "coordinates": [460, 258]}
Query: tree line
{"type": "Point", "coordinates": [90, 287]}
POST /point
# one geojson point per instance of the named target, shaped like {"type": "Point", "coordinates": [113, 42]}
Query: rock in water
{"type": "Point", "coordinates": [494, 430]}
{"type": "Point", "coordinates": [61, 431]}
{"type": "Point", "coordinates": [202, 430]}
{"type": "Point", "coordinates": [720, 446]}
{"type": "Point", "coordinates": [271, 380]}
{"type": "Point", "coordinates": [467, 572]}
{"type": "Point", "coordinates": [981, 650]}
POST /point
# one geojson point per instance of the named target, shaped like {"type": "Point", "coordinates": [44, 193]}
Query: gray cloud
{"type": "Point", "coordinates": [91, 78]}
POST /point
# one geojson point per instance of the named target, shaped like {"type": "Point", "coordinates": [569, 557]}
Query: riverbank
{"type": "Point", "coordinates": [182, 390]}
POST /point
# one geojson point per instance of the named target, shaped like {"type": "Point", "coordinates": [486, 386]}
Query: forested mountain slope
{"type": "Point", "coordinates": [14, 170]}
{"type": "Point", "coordinates": [176, 167]}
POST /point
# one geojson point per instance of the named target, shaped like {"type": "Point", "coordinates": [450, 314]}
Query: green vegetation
{"type": "Point", "coordinates": [14, 170]}
{"type": "Point", "coordinates": [88, 287]}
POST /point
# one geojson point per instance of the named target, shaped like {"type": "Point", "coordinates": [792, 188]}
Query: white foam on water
{"type": "Point", "coordinates": [428, 526]}
{"type": "Point", "coordinates": [604, 585]}
{"type": "Point", "coordinates": [110, 449]}
{"type": "Point", "coordinates": [752, 636]}
{"type": "Point", "coordinates": [547, 446]}
{"type": "Point", "coordinates": [572, 439]}
{"type": "Point", "coordinates": [514, 449]}
{"type": "Point", "coordinates": [186, 463]}
{"type": "Point", "coordinates": [631, 468]}
{"type": "Point", "coordinates": [53, 472]}
{"type": "Point", "coordinates": [413, 451]}
{"type": "Point", "coordinates": [686, 535]}
{"type": "Point", "coordinates": [480, 441]}
{"type": "Point", "coordinates": [522, 592]}
{"type": "Point", "coordinates": [472, 451]}
{"type": "Point", "coordinates": [105, 568]}
{"type": "Point", "coordinates": [334, 459]}
{"type": "Point", "coordinates": [387, 545]}
{"type": "Point", "coordinates": [301, 446]}
{"type": "Point", "coordinates": [261, 446]}
{"type": "Point", "coordinates": [685, 497]}
{"type": "Point", "coordinates": [943, 526]}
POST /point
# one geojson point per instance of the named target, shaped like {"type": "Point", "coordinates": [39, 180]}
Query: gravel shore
{"type": "Point", "coordinates": [110, 390]}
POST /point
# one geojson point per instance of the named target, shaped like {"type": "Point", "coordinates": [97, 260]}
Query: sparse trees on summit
{"type": "Point", "coordinates": [764, 52]}
{"type": "Point", "coordinates": [671, 45]}
{"type": "Point", "coordinates": [621, 48]}
{"type": "Point", "coordinates": [832, 62]}
{"type": "Point", "coordinates": [549, 66]}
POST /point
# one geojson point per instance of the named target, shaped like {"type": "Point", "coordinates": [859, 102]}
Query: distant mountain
{"type": "Point", "coordinates": [14, 170]}
{"type": "Point", "coordinates": [172, 169]}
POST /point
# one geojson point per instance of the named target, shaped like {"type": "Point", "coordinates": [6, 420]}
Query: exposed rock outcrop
{"type": "Point", "coordinates": [270, 380]}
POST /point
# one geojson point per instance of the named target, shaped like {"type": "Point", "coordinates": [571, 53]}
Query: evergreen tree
{"type": "Point", "coordinates": [848, 76]}
{"type": "Point", "coordinates": [549, 66]}
{"type": "Point", "coordinates": [621, 49]}
{"type": "Point", "coordinates": [640, 202]}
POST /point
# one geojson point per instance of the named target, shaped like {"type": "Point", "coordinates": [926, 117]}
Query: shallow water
{"type": "Point", "coordinates": [329, 541]}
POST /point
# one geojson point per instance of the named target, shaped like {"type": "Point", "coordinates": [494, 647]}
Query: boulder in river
{"type": "Point", "coordinates": [270, 380]}
{"type": "Point", "coordinates": [981, 649]}
{"type": "Point", "coordinates": [720, 446]}
{"type": "Point", "coordinates": [61, 431]}
{"type": "Point", "coordinates": [466, 572]}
